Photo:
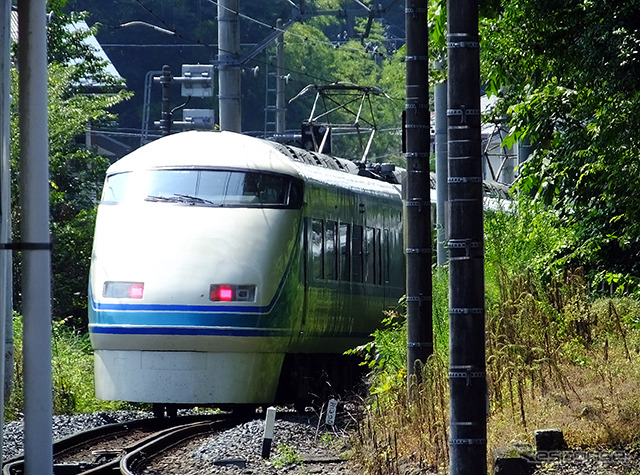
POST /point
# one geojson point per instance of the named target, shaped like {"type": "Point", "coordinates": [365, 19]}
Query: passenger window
{"type": "Point", "coordinates": [357, 250]}
{"type": "Point", "coordinates": [378, 257]}
{"type": "Point", "coordinates": [330, 254]}
{"type": "Point", "coordinates": [317, 248]}
{"type": "Point", "coordinates": [345, 251]}
{"type": "Point", "coordinates": [385, 256]}
{"type": "Point", "coordinates": [369, 256]}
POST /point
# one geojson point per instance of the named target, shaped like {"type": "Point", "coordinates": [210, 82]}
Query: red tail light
{"type": "Point", "coordinates": [221, 293]}
{"type": "Point", "coordinates": [123, 290]}
{"type": "Point", "coordinates": [136, 290]}
{"type": "Point", "coordinates": [232, 293]}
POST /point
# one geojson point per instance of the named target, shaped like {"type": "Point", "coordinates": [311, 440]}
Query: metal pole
{"type": "Point", "coordinates": [229, 70]}
{"type": "Point", "coordinates": [36, 247]}
{"type": "Point", "coordinates": [165, 117]}
{"type": "Point", "coordinates": [467, 367]}
{"type": "Point", "coordinates": [6, 304]}
{"type": "Point", "coordinates": [281, 107]}
{"type": "Point", "coordinates": [442, 170]}
{"type": "Point", "coordinates": [417, 210]}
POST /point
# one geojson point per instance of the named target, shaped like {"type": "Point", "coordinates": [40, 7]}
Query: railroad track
{"type": "Point", "coordinates": [125, 447]}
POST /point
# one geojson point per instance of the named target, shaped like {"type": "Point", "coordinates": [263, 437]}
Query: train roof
{"type": "Point", "coordinates": [203, 149]}
{"type": "Point", "coordinates": [220, 149]}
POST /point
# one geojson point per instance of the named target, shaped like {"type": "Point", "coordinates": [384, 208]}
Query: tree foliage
{"type": "Point", "coordinates": [568, 77]}
{"type": "Point", "coordinates": [364, 61]}
{"type": "Point", "coordinates": [76, 173]}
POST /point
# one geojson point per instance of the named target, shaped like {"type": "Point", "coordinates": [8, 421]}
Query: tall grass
{"type": "Point", "coordinates": [406, 422]}
{"type": "Point", "coordinates": [557, 356]}
{"type": "Point", "coordinates": [72, 371]}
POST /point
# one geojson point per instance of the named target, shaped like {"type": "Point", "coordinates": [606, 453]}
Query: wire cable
{"type": "Point", "coordinates": [261, 23]}
{"type": "Point", "coordinates": [246, 17]}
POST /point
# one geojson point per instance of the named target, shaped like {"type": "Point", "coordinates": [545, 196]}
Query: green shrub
{"type": "Point", "coordinates": [72, 374]}
{"type": "Point", "coordinates": [550, 344]}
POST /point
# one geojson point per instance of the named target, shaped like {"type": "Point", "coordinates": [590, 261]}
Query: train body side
{"type": "Point", "coordinates": [353, 260]}
{"type": "Point", "coordinates": [171, 343]}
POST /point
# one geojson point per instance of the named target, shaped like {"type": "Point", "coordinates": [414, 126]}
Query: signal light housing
{"type": "Point", "coordinates": [232, 293]}
{"type": "Point", "coordinates": [123, 290]}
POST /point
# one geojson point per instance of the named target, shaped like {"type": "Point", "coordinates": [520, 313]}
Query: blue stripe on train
{"type": "Point", "coordinates": [201, 331]}
{"type": "Point", "coordinates": [173, 330]}
{"type": "Point", "coordinates": [164, 317]}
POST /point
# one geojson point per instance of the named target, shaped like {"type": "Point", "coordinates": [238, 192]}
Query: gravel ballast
{"type": "Point", "coordinates": [63, 426]}
{"type": "Point", "coordinates": [301, 445]}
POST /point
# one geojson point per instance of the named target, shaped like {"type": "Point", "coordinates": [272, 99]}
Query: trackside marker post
{"type": "Point", "coordinates": [330, 420]}
{"type": "Point", "coordinates": [268, 432]}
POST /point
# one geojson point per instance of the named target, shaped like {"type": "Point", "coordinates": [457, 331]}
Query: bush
{"type": "Point", "coordinates": [558, 355]}
{"type": "Point", "coordinates": [72, 370]}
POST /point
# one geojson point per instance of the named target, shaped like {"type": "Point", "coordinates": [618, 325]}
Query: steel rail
{"type": "Point", "coordinates": [109, 462]}
{"type": "Point", "coordinates": [139, 457]}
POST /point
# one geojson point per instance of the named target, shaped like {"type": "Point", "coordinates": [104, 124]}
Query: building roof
{"type": "Point", "coordinates": [75, 26]}
{"type": "Point", "coordinates": [93, 42]}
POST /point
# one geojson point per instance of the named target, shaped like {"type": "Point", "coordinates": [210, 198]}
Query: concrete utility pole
{"type": "Point", "coordinates": [467, 367]}
{"type": "Point", "coordinates": [229, 72]}
{"type": "Point", "coordinates": [165, 117]}
{"type": "Point", "coordinates": [417, 210]}
{"type": "Point", "coordinates": [281, 106]}
{"type": "Point", "coordinates": [36, 241]}
{"type": "Point", "coordinates": [6, 346]}
{"type": "Point", "coordinates": [442, 170]}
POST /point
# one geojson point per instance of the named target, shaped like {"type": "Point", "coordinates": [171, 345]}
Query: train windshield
{"type": "Point", "coordinates": [204, 188]}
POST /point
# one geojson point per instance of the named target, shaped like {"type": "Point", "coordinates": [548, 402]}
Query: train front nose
{"type": "Point", "coordinates": [202, 321]}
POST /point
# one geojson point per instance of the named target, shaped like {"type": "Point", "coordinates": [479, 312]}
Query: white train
{"type": "Point", "coordinates": [232, 270]}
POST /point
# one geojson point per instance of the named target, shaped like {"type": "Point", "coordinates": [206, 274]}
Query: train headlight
{"type": "Point", "coordinates": [123, 290]}
{"type": "Point", "coordinates": [232, 293]}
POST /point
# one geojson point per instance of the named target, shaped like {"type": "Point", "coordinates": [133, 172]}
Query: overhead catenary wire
{"type": "Point", "coordinates": [197, 43]}
{"type": "Point", "coordinates": [229, 54]}
{"type": "Point", "coordinates": [249, 18]}
{"type": "Point", "coordinates": [230, 58]}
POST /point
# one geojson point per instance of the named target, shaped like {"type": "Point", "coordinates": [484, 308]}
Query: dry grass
{"type": "Point", "coordinates": [570, 364]}
{"type": "Point", "coordinates": [598, 406]}
{"type": "Point", "coordinates": [397, 433]}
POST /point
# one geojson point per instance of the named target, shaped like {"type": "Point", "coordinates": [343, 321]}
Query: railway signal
{"type": "Point", "coordinates": [196, 81]}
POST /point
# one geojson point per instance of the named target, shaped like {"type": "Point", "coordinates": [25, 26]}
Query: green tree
{"type": "Point", "coordinates": [568, 76]}
{"type": "Point", "coordinates": [76, 173]}
{"type": "Point", "coordinates": [314, 59]}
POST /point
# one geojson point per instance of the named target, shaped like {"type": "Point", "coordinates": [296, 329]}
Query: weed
{"type": "Point", "coordinates": [556, 357]}
{"type": "Point", "coordinates": [72, 372]}
{"type": "Point", "coordinates": [327, 439]}
{"type": "Point", "coordinates": [285, 455]}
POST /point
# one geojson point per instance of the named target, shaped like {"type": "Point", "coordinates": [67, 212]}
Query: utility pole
{"type": "Point", "coordinates": [229, 69]}
{"type": "Point", "coordinates": [6, 281]}
{"type": "Point", "coordinates": [35, 236]}
{"type": "Point", "coordinates": [442, 170]}
{"type": "Point", "coordinates": [417, 212]}
{"type": "Point", "coordinates": [281, 107]}
{"type": "Point", "coordinates": [165, 117]}
{"type": "Point", "coordinates": [467, 367]}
